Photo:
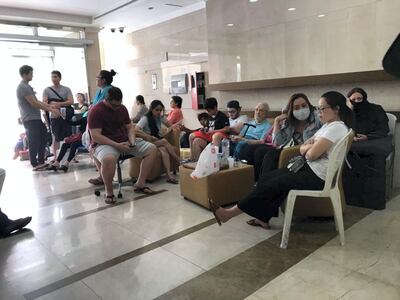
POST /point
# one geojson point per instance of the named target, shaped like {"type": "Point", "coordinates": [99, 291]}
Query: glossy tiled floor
{"type": "Point", "coordinates": [164, 246]}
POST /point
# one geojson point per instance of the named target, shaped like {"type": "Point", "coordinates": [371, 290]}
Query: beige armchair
{"type": "Point", "coordinates": [158, 169]}
{"type": "Point", "coordinates": [308, 206]}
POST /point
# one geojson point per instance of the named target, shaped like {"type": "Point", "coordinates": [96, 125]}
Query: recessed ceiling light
{"type": "Point", "coordinates": [321, 16]}
{"type": "Point", "coordinates": [252, 1]}
{"type": "Point", "coordinates": [292, 8]}
{"type": "Point", "coordinates": [229, 24]}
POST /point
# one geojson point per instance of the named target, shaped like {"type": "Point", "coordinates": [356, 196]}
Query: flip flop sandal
{"type": "Point", "coordinates": [172, 180]}
{"type": "Point", "coordinates": [214, 208]}
{"type": "Point", "coordinates": [96, 181]}
{"type": "Point", "coordinates": [41, 167]}
{"type": "Point", "coordinates": [52, 168]}
{"type": "Point", "coordinates": [110, 200]}
{"type": "Point", "coordinates": [144, 190]}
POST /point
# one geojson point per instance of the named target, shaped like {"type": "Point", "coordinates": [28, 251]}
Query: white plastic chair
{"type": "Point", "coordinates": [331, 190]}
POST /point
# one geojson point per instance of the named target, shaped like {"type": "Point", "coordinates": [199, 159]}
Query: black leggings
{"type": "Point", "coordinates": [73, 146]}
{"type": "Point", "coordinates": [272, 189]}
{"type": "Point", "coordinates": [37, 138]}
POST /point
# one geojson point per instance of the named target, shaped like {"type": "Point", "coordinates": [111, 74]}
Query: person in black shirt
{"type": "Point", "coordinates": [217, 129]}
{"type": "Point", "coordinates": [371, 119]}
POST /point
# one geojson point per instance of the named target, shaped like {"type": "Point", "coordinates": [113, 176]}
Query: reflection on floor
{"type": "Point", "coordinates": [162, 246]}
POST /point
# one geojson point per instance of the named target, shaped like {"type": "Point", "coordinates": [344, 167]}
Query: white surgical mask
{"type": "Point", "coordinates": [302, 114]}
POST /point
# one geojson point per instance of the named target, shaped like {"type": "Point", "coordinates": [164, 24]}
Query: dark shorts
{"type": "Point", "coordinates": [60, 129]}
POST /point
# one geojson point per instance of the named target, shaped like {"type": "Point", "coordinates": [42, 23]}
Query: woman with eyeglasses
{"type": "Point", "coordinates": [149, 127]}
{"type": "Point", "coordinates": [103, 82]}
{"type": "Point", "coordinates": [273, 187]}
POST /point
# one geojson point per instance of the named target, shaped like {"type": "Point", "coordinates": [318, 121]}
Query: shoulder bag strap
{"type": "Point", "coordinates": [57, 94]}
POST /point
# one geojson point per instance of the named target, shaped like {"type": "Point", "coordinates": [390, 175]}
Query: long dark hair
{"type": "Point", "coordinates": [291, 119]}
{"type": "Point", "coordinates": [337, 101]}
{"type": "Point", "coordinates": [154, 131]}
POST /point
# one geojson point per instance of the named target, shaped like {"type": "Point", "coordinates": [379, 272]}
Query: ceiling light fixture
{"type": "Point", "coordinates": [252, 1]}
{"type": "Point", "coordinates": [229, 24]}
{"type": "Point", "coordinates": [292, 9]}
{"type": "Point", "coordinates": [321, 16]}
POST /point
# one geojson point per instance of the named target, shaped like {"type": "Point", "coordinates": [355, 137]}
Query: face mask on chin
{"type": "Point", "coordinates": [301, 114]}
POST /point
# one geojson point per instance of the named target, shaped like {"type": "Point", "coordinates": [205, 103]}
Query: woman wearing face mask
{"type": "Point", "coordinates": [371, 119]}
{"type": "Point", "coordinates": [292, 128]}
{"type": "Point", "coordinates": [273, 187]}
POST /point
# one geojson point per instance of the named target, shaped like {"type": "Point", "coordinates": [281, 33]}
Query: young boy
{"type": "Point", "coordinates": [216, 130]}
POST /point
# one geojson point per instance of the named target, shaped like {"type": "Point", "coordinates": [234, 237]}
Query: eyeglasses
{"type": "Point", "coordinates": [232, 111]}
{"type": "Point", "coordinates": [321, 109]}
{"type": "Point", "coordinates": [358, 99]}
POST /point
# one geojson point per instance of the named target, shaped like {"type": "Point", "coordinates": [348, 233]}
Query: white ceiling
{"type": "Point", "coordinates": [133, 16]}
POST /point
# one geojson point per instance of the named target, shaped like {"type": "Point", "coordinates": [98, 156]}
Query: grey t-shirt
{"type": "Point", "coordinates": [63, 91]}
{"type": "Point", "coordinates": [27, 111]}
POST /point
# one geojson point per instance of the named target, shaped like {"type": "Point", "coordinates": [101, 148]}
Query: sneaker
{"type": "Point", "coordinates": [63, 168]}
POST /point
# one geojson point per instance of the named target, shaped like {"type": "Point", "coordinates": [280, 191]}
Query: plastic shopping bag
{"type": "Point", "coordinates": [208, 162]}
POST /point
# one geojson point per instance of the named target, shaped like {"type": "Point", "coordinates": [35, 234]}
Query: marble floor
{"type": "Point", "coordinates": [164, 247]}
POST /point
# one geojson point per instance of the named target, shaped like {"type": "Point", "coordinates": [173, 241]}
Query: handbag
{"type": "Point", "coordinates": [296, 163]}
{"type": "Point", "coordinates": [69, 111]}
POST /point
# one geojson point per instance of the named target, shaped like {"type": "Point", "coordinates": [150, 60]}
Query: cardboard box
{"type": "Point", "coordinates": [224, 187]}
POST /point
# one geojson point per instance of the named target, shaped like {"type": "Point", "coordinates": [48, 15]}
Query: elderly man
{"type": "Point", "coordinates": [112, 135]}
{"type": "Point", "coordinates": [254, 131]}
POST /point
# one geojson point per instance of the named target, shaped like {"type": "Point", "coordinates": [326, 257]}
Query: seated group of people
{"type": "Point", "coordinates": [316, 129]}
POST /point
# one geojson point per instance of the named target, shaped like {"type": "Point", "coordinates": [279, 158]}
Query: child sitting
{"type": "Point", "coordinates": [217, 129]}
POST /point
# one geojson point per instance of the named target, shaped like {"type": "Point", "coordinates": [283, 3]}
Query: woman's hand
{"type": "Point", "coordinates": [304, 148]}
{"type": "Point", "coordinates": [360, 137]}
{"type": "Point", "coordinates": [279, 119]}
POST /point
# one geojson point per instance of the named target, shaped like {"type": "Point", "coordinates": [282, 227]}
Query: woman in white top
{"type": "Point", "coordinates": [272, 188]}
{"type": "Point", "coordinates": [138, 110]}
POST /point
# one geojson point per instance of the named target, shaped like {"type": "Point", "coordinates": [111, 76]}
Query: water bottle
{"type": "Point", "coordinates": [225, 153]}
{"type": "Point", "coordinates": [63, 112]}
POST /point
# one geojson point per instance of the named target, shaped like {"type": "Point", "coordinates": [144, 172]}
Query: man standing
{"type": "Point", "coordinates": [112, 135]}
{"type": "Point", "coordinates": [58, 96]}
{"type": "Point", "coordinates": [29, 107]}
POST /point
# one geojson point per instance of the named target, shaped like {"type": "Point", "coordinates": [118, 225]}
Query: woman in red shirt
{"type": "Point", "coordinates": [175, 116]}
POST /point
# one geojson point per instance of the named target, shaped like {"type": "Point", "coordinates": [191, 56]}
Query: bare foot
{"type": "Point", "coordinates": [257, 222]}
{"type": "Point", "coordinates": [222, 214]}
